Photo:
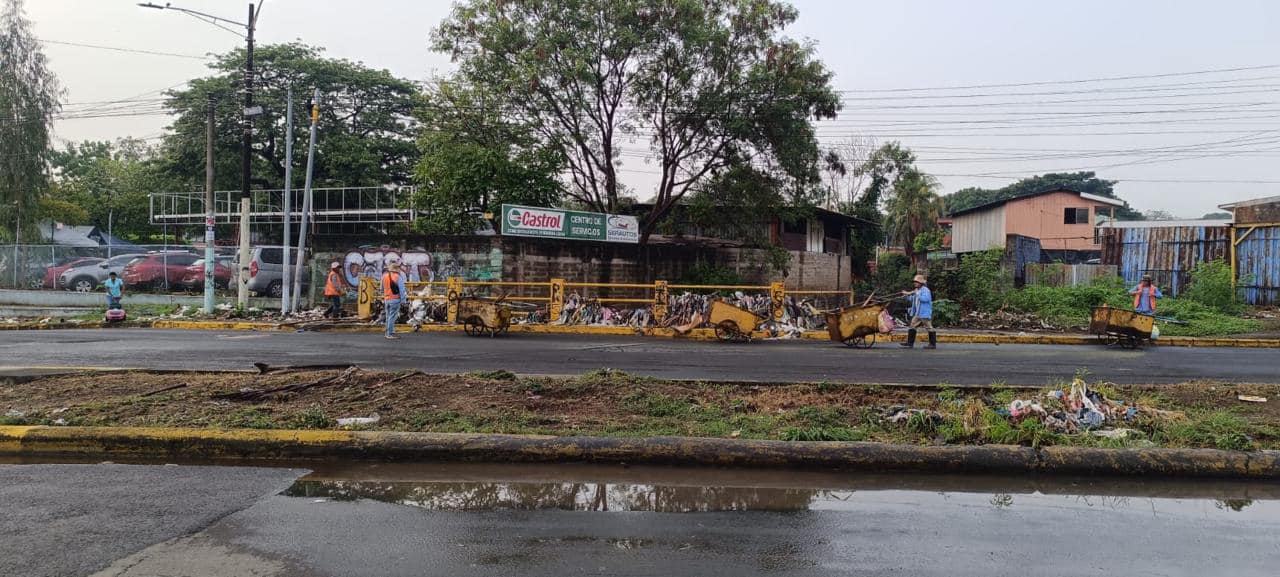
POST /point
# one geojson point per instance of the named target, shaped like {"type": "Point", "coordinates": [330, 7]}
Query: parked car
{"type": "Point", "coordinates": [158, 269]}
{"type": "Point", "coordinates": [266, 271]}
{"type": "Point", "coordinates": [54, 272]}
{"type": "Point", "coordinates": [193, 277]}
{"type": "Point", "coordinates": [88, 278]}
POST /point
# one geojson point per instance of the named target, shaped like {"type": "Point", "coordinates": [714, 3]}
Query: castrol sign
{"type": "Point", "coordinates": [569, 224]}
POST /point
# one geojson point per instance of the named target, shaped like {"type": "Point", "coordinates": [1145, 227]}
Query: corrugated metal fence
{"type": "Point", "coordinates": [1258, 265]}
{"type": "Point", "coordinates": [1067, 274]}
{"type": "Point", "coordinates": [1167, 253]}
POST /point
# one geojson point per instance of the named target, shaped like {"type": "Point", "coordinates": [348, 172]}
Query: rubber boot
{"type": "Point", "coordinates": [911, 340]}
{"type": "Point", "coordinates": [933, 340]}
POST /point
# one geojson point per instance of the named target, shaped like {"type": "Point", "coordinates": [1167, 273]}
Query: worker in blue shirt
{"type": "Point", "coordinates": [114, 286]}
{"type": "Point", "coordinates": [921, 313]}
{"type": "Point", "coordinates": [1145, 296]}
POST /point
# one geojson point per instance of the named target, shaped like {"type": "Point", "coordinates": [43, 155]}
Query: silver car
{"type": "Point", "coordinates": [266, 271]}
{"type": "Point", "coordinates": [88, 278]}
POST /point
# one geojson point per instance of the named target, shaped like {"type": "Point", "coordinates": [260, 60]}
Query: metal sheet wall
{"type": "Point", "coordinates": [1258, 265]}
{"type": "Point", "coordinates": [1166, 253]}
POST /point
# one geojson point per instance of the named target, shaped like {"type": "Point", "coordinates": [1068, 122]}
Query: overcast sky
{"type": "Point", "coordinates": [1187, 129]}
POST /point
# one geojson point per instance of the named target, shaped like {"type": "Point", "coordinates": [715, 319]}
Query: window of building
{"type": "Point", "coordinates": [1075, 216]}
{"type": "Point", "coordinates": [797, 227]}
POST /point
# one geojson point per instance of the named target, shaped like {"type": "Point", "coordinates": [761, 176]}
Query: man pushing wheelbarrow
{"type": "Point", "coordinates": [921, 313]}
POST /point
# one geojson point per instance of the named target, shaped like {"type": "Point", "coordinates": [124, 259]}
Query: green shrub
{"type": "Point", "coordinates": [1211, 286]}
{"type": "Point", "coordinates": [983, 281]}
{"type": "Point", "coordinates": [946, 313]}
{"type": "Point", "coordinates": [703, 273]}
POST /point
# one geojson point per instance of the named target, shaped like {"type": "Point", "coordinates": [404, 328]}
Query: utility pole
{"type": "Point", "coordinates": [242, 297]}
{"type": "Point", "coordinates": [247, 115]}
{"type": "Point", "coordinates": [306, 201]}
{"type": "Point", "coordinates": [210, 214]}
{"type": "Point", "coordinates": [285, 306]}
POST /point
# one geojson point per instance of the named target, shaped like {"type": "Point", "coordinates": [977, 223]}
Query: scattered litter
{"type": "Point", "coordinates": [60, 422]}
{"type": "Point", "coordinates": [14, 413]}
{"type": "Point", "coordinates": [1113, 433]}
{"type": "Point", "coordinates": [356, 421]}
{"type": "Point", "coordinates": [59, 411]}
{"type": "Point", "coordinates": [1252, 399]}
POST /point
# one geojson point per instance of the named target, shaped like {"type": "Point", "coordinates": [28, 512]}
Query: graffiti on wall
{"type": "Point", "coordinates": [422, 265]}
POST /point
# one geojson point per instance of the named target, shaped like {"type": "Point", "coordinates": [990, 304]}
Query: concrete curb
{"type": "Point", "coordinates": [148, 443]}
{"type": "Point", "coordinates": [709, 335]}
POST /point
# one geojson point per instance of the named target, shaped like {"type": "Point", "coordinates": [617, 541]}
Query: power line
{"type": "Point", "coordinates": [1079, 81]}
{"type": "Point", "coordinates": [128, 50]}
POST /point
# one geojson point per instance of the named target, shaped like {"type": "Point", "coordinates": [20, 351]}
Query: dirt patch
{"type": "Point", "coordinates": [616, 404]}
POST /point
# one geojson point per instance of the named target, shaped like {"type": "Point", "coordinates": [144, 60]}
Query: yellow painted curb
{"type": "Point", "coordinates": [709, 334]}
{"type": "Point", "coordinates": [240, 445]}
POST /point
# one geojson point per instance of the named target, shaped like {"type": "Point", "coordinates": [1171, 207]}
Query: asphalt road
{"type": "Point", "coordinates": [151, 521]}
{"type": "Point", "coordinates": [776, 361]}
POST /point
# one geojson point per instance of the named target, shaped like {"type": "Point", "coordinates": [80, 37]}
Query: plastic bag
{"type": "Point", "coordinates": [1155, 332]}
{"type": "Point", "coordinates": [887, 323]}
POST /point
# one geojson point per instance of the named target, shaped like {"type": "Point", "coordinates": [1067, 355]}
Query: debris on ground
{"type": "Point", "coordinates": [359, 421]}
{"type": "Point", "coordinates": [1252, 399]}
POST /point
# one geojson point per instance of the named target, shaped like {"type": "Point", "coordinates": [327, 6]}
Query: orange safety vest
{"type": "Point", "coordinates": [331, 285]}
{"type": "Point", "coordinates": [1151, 297]}
{"type": "Point", "coordinates": [389, 280]}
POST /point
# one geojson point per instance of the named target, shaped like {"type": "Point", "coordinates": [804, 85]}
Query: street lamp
{"type": "Point", "coordinates": [247, 115]}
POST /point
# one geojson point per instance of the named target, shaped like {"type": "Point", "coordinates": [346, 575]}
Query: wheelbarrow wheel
{"type": "Point", "coordinates": [1108, 339]}
{"type": "Point", "coordinates": [728, 332]}
{"type": "Point", "coordinates": [862, 342]}
{"type": "Point", "coordinates": [1128, 342]}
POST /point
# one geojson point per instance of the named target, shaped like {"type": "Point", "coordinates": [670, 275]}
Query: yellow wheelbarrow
{"type": "Point", "coordinates": [1129, 329]}
{"type": "Point", "coordinates": [732, 323]}
{"type": "Point", "coordinates": [855, 326]}
{"type": "Point", "coordinates": [481, 317]}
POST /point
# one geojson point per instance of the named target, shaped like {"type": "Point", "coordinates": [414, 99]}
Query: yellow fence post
{"type": "Point", "coordinates": [365, 294]}
{"type": "Point", "coordinates": [778, 299]}
{"type": "Point", "coordinates": [453, 291]}
{"type": "Point", "coordinates": [557, 300]}
{"type": "Point", "coordinates": [660, 296]}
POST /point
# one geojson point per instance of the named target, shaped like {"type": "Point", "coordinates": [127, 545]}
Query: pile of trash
{"type": "Point", "coordinates": [1079, 409]}
{"type": "Point", "coordinates": [685, 311]}
{"type": "Point", "coordinates": [1006, 320]}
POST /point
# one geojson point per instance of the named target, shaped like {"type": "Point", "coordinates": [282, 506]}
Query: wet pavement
{"type": "Point", "coordinates": [459, 520]}
{"type": "Point", "coordinates": [774, 361]}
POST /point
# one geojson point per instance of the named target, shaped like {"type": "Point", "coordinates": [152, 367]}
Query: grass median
{"type": "Point", "coordinates": [613, 404]}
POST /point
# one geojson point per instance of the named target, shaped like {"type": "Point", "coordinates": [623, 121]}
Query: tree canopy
{"type": "Point", "coordinates": [698, 84]}
{"type": "Point", "coordinates": [1086, 182]}
{"type": "Point", "coordinates": [29, 94]}
{"type": "Point", "coordinates": [366, 131]}
{"type": "Point", "coordinates": [110, 182]}
{"type": "Point", "coordinates": [473, 162]}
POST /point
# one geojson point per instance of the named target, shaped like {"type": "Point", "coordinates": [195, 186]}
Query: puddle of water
{"type": "Point", "coordinates": [471, 487]}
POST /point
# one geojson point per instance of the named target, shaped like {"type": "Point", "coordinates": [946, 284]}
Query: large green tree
{"type": "Point", "coordinates": [473, 161]}
{"type": "Point", "coordinates": [1086, 182]}
{"type": "Point", "coordinates": [695, 84]}
{"type": "Point", "coordinates": [876, 175]}
{"type": "Point", "coordinates": [29, 94]}
{"type": "Point", "coordinates": [912, 210]}
{"type": "Point", "coordinates": [366, 130]}
{"type": "Point", "coordinates": [111, 183]}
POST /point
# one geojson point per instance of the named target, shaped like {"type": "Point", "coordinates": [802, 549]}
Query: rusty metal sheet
{"type": "Point", "coordinates": [1258, 265]}
{"type": "Point", "coordinates": [1166, 253]}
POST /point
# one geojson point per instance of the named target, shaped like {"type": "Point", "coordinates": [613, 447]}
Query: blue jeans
{"type": "Point", "coordinates": [393, 314]}
{"type": "Point", "coordinates": [113, 302]}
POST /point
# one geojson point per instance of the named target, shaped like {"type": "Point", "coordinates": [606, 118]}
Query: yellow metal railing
{"type": "Point", "coordinates": [557, 291]}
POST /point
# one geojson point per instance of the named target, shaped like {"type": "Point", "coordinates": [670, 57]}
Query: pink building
{"type": "Point", "coordinates": [1062, 220]}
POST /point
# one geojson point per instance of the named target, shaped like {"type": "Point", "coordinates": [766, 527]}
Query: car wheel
{"type": "Point", "coordinates": [84, 284]}
{"type": "Point", "coordinates": [276, 289]}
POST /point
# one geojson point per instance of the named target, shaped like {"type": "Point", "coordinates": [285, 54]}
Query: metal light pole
{"type": "Point", "coordinates": [210, 216]}
{"type": "Point", "coordinates": [247, 117]}
{"type": "Point", "coordinates": [286, 286]}
{"type": "Point", "coordinates": [307, 200]}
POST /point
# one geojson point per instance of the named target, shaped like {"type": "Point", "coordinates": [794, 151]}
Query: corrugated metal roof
{"type": "Point", "coordinates": [1250, 202]}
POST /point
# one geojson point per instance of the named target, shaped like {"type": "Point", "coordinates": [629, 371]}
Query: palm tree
{"type": "Point", "coordinates": [912, 208]}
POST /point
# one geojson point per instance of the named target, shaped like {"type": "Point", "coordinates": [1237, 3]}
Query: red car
{"type": "Point", "coordinates": [158, 270]}
{"type": "Point", "coordinates": [52, 273]}
{"type": "Point", "coordinates": [193, 278]}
